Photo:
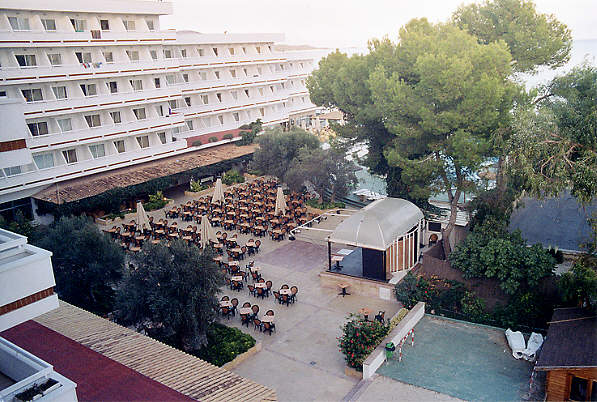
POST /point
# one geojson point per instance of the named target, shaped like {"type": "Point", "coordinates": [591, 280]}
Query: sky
{"type": "Point", "coordinates": [345, 23]}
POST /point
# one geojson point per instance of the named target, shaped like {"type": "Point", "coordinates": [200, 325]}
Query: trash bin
{"type": "Point", "coordinates": [390, 348]}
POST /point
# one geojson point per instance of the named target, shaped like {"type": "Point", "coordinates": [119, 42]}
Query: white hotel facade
{"type": "Point", "coordinates": [90, 86]}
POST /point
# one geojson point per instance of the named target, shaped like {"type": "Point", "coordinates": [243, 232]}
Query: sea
{"type": "Point", "coordinates": [583, 51]}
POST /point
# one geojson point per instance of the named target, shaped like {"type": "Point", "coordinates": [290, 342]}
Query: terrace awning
{"type": "Point", "coordinates": [378, 224]}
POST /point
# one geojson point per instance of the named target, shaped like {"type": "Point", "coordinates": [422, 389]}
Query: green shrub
{"type": "Point", "coordinates": [213, 139]}
{"type": "Point", "coordinates": [227, 136]}
{"type": "Point", "coordinates": [156, 201]}
{"type": "Point", "coordinates": [233, 176]}
{"type": "Point", "coordinates": [113, 216]}
{"type": "Point", "coordinates": [397, 318]}
{"type": "Point", "coordinates": [196, 143]}
{"type": "Point", "coordinates": [473, 307]}
{"type": "Point", "coordinates": [196, 186]}
{"type": "Point", "coordinates": [314, 203]}
{"type": "Point", "coordinates": [359, 338]}
{"type": "Point", "coordinates": [224, 344]}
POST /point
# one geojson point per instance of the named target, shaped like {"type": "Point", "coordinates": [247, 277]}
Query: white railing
{"type": "Point", "coordinates": [85, 38]}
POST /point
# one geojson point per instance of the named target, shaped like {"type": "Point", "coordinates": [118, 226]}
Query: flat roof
{"type": "Point", "coordinates": [88, 186]}
{"type": "Point", "coordinates": [171, 367]}
{"type": "Point", "coordinates": [571, 340]}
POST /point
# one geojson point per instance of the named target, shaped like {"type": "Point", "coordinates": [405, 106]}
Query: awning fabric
{"type": "Point", "coordinates": [378, 224]}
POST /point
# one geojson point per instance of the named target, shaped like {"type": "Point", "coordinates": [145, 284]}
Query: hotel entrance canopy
{"type": "Point", "coordinates": [378, 225]}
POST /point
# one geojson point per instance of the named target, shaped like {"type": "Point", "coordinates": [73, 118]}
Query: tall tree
{"type": "Point", "coordinates": [324, 170]}
{"type": "Point", "coordinates": [174, 288]}
{"type": "Point", "coordinates": [278, 148]}
{"type": "Point", "coordinates": [442, 100]}
{"type": "Point", "coordinates": [534, 39]}
{"type": "Point", "coordinates": [87, 263]}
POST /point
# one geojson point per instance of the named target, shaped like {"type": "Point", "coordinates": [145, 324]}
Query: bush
{"type": "Point", "coordinates": [359, 338]}
{"type": "Point", "coordinates": [196, 143]}
{"type": "Point", "coordinates": [314, 203]}
{"type": "Point", "coordinates": [156, 201]}
{"type": "Point", "coordinates": [227, 136]}
{"type": "Point", "coordinates": [233, 176]}
{"type": "Point", "coordinates": [397, 318]}
{"type": "Point", "coordinates": [557, 254]}
{"type": "Point", "coordinates": [224, 344]}
{"type": "Point", "coordinates": [246, 138]}
{"type": "Point", "coordinates": [195, 186]}
{"type": "Point", "coordinates": [473, 307]}
{"type": "Point", "coordinates": [213, 139]}
{"type": "Point", "coordinates": [407, 291]}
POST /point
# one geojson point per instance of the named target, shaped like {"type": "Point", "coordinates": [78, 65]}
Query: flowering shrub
{"type": "Point", "coordinates": [359, 338]}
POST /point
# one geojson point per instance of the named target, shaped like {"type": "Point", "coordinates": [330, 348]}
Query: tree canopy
{"type": "Point", "coordinates": [277, 149]}
{"type": "Point", "coordinates": [534, 39]}
{"type": "Point", "coordinates": [87, 263]}
{"type": "Point", "coordinates": [173, 288]}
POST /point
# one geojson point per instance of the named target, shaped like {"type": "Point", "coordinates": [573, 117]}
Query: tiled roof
{"type": "Point", "coordinates": [88, 186]}
{"type": "Point", "coordinates": [175, 369]}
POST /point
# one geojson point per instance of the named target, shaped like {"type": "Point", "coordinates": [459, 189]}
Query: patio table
{"type": "Point", "coordinates": [225, 303]}
{"type": "Point", "coordinates": [267, 318]}
{"type": "Point", "coordinates": [343, 286]}
{"type": "Point", "coordinates": [261, 285]}
{"type": "Point", "coordinates": [245, 310]}
{"type": "Point", "coordinates": [236, 278]}
{"type": "Point", "coordinates": [285, 292]}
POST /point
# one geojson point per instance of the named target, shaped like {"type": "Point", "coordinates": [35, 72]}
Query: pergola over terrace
{"type": "Point", "coordinates": [386, 236]}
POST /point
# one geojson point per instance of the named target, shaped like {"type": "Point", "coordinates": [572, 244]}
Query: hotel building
{"type": "Point", "coordinates": [93, 86]}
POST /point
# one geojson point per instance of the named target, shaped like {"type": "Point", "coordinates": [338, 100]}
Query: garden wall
{"type": "Point", "coordinates": [378, 356]}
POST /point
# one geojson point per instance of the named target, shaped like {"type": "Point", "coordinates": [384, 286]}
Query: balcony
{"type": "Point", "coordinates": [227, 60]}
{"type": "Point", "coordinates": [112, 131]}
{"type": "Point", "coordinates": [103, 101]}
{"type": "Point", "coordinates": [232, 105]}
{"type": "Point", "coordinates": [144, 7]}
{"type": "Point", "coordinates": [26, 281]}
{"type": "Point", "coordinates": [197, 38]}
{"type": "Point", "coordinates": [25, 39]}
{"type": "Point", "coordinates": [20, 75]}
{"type": "Point", "coordinates": [23, 371]}
{"type": "Point", "coordinates": [230, 83]}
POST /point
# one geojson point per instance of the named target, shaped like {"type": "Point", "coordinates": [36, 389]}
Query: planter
{"type": "Point", "coordinates": [352, 372]}
{"type": "Point", "coordinates": [242, 357]}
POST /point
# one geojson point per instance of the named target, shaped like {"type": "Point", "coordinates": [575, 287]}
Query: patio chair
{"type": "Point", "coordinates": [380, 317]}
{"type": "Point", "coordinates": [269, 285]}
{"type": "Point", "coordinates": [257, 323]}
{"type": "Point", "coordinates": [260, 292]}
{"type": "Point", "coordinates": [246, 304]}
{"type": "Point", "coordinates": [234, 303]}
{"type": "Point", "coordinates": [224, 298]}
{"type": "Point", "coordinates": [285, 299]}
{"type": "Point", "coordinates": [257, 245]}
{"type": "Point", "coordinates": [243, 252]}
{"type": "Point", "coordinates": [284, 286]}
{"type": "Point", "coordinates": [294, 291]}
{"type": "Point", "coordinates": [268, 327]}
{"type": "Point", "coordinates": [245, 319]}
{"type": "Point", "coordinates": [225, 312]}
{"type": "Point", "coordinates": [255, 309]}
{"type": "Point", "coordinates": [251, 289]}
{"type": "Point", "coordinates": [229, 283]}
{"type": "Point", "coordinates": [255, 275]}
{"type": "Point", "coordinates": [277, 295]}
{"type": "Point", "coordinates": [270, 312]}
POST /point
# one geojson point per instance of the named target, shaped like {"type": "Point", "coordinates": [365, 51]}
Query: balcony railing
{"type": "Point", "coordinates": [85, 38]}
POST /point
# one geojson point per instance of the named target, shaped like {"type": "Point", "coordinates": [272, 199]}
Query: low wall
{"type": "Point", "coordinates": [360, 286]}
{"type": "Point", "coordinates": [242, 357]}
{"type": "Point", "coordinates": [378, 356]}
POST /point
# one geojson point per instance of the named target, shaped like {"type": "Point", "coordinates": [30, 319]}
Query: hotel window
{"type": "Point", "coordinates": [116, 117]}
{"type": "Point", "coordinates": [32, 95]}
{"type": "Point", "coordinates": [38, 128]}
{"type": "Point", "coordinates": [143, 141]}
{"type": "Point", "coordinates": [11, 171]}
{"type": "Point", "coordinates": [65, 125]}
{"type": "Point", "coordinates": [221, 119]}
{"type": "Point", "coordinates": [162, 137]}
{"type": "Point", "coordinates": [49, 24]}
{"type": "Point", "coordinates": [301, 65]}
{"type": "Point", "coordinates": [262, 111]}
{"type": "Point", "coordinates": [201, 52]}
{"type": "Point", "coordinates": [89, 89]}
{"type": "Point", "coordinates": [205, 99]}
{"type": "Point", "coordinates": [215, 49]}
{"type": "Point", "coordinates": [70, 155]}
{"type": "Point", "coordinates": [26, 60]}
{"type": "Point", "coordinates": [150, 25]}
{"type": "Point", "coordinates": [185, 77]}
{"type": "Point", "coordinates": [19, 23]}
{"type": "Point", "coordinates": [217, 74]}
{"type": "Point", "coordinates": [189, 124]}
{"type": "Point", "coordinates": [203, 75]}
{"type": "Point", "coordinates": [55, 59]}
{"type": "Point", "coordinates": [236, 117]}
{"type": "Point", "coordinates": [167, 53]}
{"type": "Point", "coordinates": [59, 92]}
{"type": "Point", "coordinates": [269, 48]}
{"type": "Point", "coordinates": [187, 100]}
{"type": "Point", "coordinates": [183, 53]}
{"type": "Point", "coordinates": [159, 110]}
{"type": "Point", "coordinates": [244, 50]}
{"type": "Point", "coordinates": [234, 95]}
{"type": "Point", "coordinates": [119, 144]}
{"type": "Point", "coordinates": [104, 25]}
{"type": "Point", "coordinates": [93, 120]}
{"type": "Point", "coordinates": [219, 96]}
{"type": "Point", "coordinates": [231, 51]}
{"type": "Point", "coordinates": [113, 87]}
{"type": "Point", "coordinates": [258, 48]}
{"type": "Point", "coordinates": [233, 73]}
{"type": "Point", "coordinates": [44, 160]}
{"type": "Point", "coordinates": [207, 122]}
{"type": "Point", "coordinates": [171, 79]}
{"type": "Point", "coordinates": [97, 150]}
{"type": "Point", "coordinates": [173, 104]}
{"type": "Point", "coordinates": [129, 25]}
{"type": "Point", "coordinates": [259, 71]}
{"type": "Point", "coordinates": [153, 54]}
{"type": "Point", "coordinates": [83, 57]}
{"type": "Point", "coordinates": [246, 72]}
{"type": "Point", "coordinates": [260, 91]}
{"type": "Point", "coordinates": [247, 93]}
{"type": "Point", "coordinates": [271, 88]}
{"type": "Point", "coordinates": [140, 113]}
{"type": "Point", "coordinates": [133, 55]}
{"type": "Point", "coordinates": [79, 25]}
{"type": "Point", "coordinates": [157, 83]}
{"type": "Point", "coordinates": [109, 57]}
{"type": "Point", "coordinates": [137, 85]}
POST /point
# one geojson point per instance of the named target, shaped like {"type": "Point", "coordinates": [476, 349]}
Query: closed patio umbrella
{"type": "Point", "coordinates": [218, 192]}
{"type": "Point", "coordinates": [280, 202]}
{"type": "Point", "coordinates": [142, 219]}
{"type": "Point", "coordinates": [207, 231]}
